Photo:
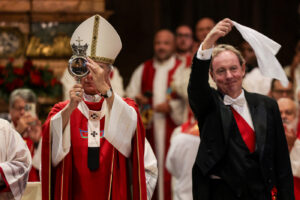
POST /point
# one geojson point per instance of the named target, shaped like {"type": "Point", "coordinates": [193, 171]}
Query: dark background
{"type": "Point", "coordinates": [137, 21]}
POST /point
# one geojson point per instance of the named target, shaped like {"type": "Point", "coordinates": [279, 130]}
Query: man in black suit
{"type": "Point", "coordinates": [243, 153]}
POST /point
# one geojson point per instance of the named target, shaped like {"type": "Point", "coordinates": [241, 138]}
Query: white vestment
{"type": "Point", "coordinates": [160, 84]}
{"type": "Point", "coordinates": [180, 160]}
{"type": "Point", "coordinates": [15, 161]}
{"type": "Point", "coordinates": [254, 81]}
{"type": "Point", "coordinates": [295, 158]}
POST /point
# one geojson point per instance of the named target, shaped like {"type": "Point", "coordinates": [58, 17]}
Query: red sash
{"type": "Point", "coordinates": [246, 131]}
{"type": "Point", "coordinates": [147, 86]}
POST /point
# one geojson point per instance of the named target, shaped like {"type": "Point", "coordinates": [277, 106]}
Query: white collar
{"type": "Point", "coordinates": [239, 101]}
{"type": "Point", "coordinates": [167, 64]}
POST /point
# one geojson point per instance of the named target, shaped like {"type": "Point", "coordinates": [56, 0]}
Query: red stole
{"type": "Point", "coordinates": [188, 62]}
{"type": "Point", "coordinates": [246, 131]}
{"type": "Point", "coordinates": [34, 173]}
{"type": "Point", "coordinates": [147, 86]}
{"type": "Point", "coordinates": [72, 179]}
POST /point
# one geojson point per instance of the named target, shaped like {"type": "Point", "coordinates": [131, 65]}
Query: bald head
{"type": "Point", "coordinates": [288, 109]}
{"type": "Point", "coordinates": [164, 45]}
{"type": "Point", "coordinates": [203, 26]}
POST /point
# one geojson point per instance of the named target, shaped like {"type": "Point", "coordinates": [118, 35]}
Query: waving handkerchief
{"type": "Point", "coordinates": [265, 50]}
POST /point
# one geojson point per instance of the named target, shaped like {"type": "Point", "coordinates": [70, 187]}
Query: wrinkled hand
{"type": "Point", "coordinates": [24, 122]}
{"type": "Point", "coordinates": [35, 131]}
{"type": "Point", "coordinates": [291, 136]}
{"type": "Point", "coordinates": [141, 99]}
{"type": "Point", "coordinates": [76, 95]}
{"type": "Point", "coordinates": [99, 76]}
{"type": "Point", "coordinates": [221, 29]}
{"type": "Point", "coordinates": [163, 108]}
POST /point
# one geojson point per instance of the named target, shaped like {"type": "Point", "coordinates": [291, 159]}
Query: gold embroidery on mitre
{"type": "Point", "coordinates": [95, 36]}
{"type": "Point", "coordinates": [102, 59]}
{"type": "Point", "coordinates": [94, 44]}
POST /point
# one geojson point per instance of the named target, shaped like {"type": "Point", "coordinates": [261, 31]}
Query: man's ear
{"type": "Point", "coordinates": [211, 74]}
{"type": "Point", "coordinates": [244, 69]}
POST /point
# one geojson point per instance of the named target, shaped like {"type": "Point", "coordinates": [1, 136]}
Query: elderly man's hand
{"type": "Point", "coordinates": [35, 131]}
{"type": "Point", "coordinates": [221, 29]}
{"type": "Point", "coordinates": [100, 76]}
{"type": "Point", "coordinates": [163, 108]}
{"type": "Point", "coordinates": [76, 95]}
{"type": "Point", "coordinates": [23, 123]}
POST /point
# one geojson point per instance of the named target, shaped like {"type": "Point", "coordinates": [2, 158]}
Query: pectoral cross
{"type": "Point", "coordinates": [94, 133]}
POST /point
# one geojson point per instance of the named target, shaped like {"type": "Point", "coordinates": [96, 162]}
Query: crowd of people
{"type": "Point", "coordinates": [197, 121]}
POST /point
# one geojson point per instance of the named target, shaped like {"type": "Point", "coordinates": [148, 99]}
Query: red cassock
{"type": "Point", "coordinates": [72, 179]}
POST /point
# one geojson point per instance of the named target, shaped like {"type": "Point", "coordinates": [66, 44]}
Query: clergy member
{"type": "Point", "coordinates": [181, 156]}
{"type": "Point", "coordinates": [15, 163]}
{"type": "Point", "coordinates": [89, 140]}
{"type": "Point", "coordinates": [161, 110]}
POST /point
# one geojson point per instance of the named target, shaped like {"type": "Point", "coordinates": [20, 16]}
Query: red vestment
{"type": "Point", "coordinates": [147, 87]}
{"type": "Point", "coordinates": [71, 178]}
{"type": "Point", "coordinates": [34, 173]}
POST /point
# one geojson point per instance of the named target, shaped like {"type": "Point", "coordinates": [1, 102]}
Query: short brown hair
{"type": "Point", "coordinates": [226, 47]}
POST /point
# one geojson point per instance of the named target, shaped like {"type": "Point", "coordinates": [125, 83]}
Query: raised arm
{"type": "Point", "coordinates": [199, 91]}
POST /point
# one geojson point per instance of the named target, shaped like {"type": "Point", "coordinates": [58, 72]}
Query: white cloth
{"type": "Point", "coordinates": [121, 114]}
{"type": "Point", "coordinates": [180, 160]}
{"type": "Point", "coordinates": [68, 82]}
{"type": "Point", "coordinates": [265, 50]}
{"type": "Point", "coordinates": [15, 161]}
{"type": "Point", "coordinates": [151, 170]}
{"type": "Point", "coordinates": [295, 158]}
{"type": "Point", "coordinates": [254, 81]}
{"type": "Point", "coordinates": [159, 96]}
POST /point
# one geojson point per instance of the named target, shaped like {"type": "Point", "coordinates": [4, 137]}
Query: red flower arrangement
{"type": "Point", "coordinates": [40, 80]}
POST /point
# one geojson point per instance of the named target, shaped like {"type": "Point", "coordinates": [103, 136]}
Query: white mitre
{"type": "Point", "coordinates": [104, 43]}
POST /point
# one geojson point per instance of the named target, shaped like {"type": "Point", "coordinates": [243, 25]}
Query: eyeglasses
{"type": "Point", "coordinates": [289, 92]}
{"type": "Point", "coordinates": [19, 108]}
{"type": "Point", "coordinates": [181, 35]}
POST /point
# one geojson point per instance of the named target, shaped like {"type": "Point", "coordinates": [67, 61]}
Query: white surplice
{"type": "Point", "coordinates": [180, 160]}
{"type": "Point", "coordinates": [15, 161]}
{"type": "Point", "coordinates": [255, 82]}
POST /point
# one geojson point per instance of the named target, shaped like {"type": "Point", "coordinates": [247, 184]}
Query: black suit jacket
{"type": "Point", "coordinates": [215, 121]}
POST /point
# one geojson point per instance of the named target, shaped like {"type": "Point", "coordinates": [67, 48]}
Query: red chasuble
{"type": "Point", "coordinates": [147, 86]}
{"type": "Point", "coordinates": [72, 179]}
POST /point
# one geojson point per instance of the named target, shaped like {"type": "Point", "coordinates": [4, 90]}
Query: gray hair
{"type": "Point", "coordinates": [26, 94]}
{"type": "Point", "coordinates": [226, 47]}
